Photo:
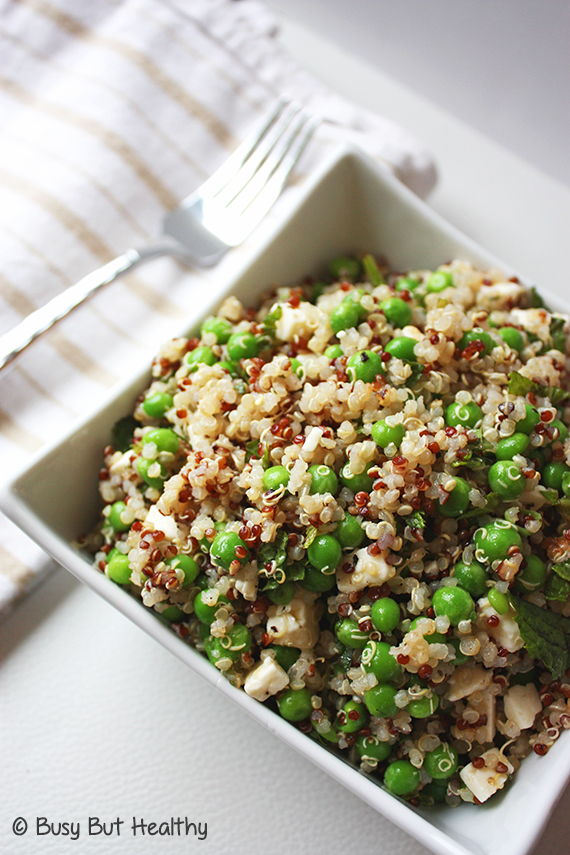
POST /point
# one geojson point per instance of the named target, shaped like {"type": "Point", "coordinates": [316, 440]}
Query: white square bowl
{"type": "Point", "coordinates": [348, 205]}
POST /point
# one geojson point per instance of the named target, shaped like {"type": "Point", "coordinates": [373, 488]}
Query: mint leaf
{"type": "Point", "coordinates": [253, 449]}
{"type": "Point", "coordinates": [520, 385]}
{"type": "Point", "coordinates": [122, 433]}
{"type": "Point", "coordinates": [310, 536]}
{"type": "Point", "coordinates": [417, 373]}
{"type": "Point", "coordinates": [546, 635]}
{"type": "Point", "coordinates": [270, 321]}
{"type": "Point", "coordinates": [562, 570]}
{"type": "Point", "coordinates": [272, 557]}
{"type": "Point", "coordinates": [372, 271]}
{"type": "Point", "coordinates": [557, 334]}
{"type": "Point", "coordinates": [557, 589]}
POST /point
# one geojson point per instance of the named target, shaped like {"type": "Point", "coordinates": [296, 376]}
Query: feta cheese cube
{"type": "Point", "coordinates": [485, 782]}
{"type": "Point", "coordinates": [266, 679]}
{"type": "Point", "coordinates": [522, 705]}
{"type": "Point", "coordinates": [369, 570]}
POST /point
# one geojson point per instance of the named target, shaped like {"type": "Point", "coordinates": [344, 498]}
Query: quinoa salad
{"type": "Point", "coordinates": [354, 499]}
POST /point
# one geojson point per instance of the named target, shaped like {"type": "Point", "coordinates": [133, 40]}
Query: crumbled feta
{"type": "Point", "coordinates": [265, 680]}
{"type": "Point", "coordinates": [300, 321]}
{"type": "Point", "coordinates": [294, 624]}
{"type": "Point", "coordinates": [466, 680]}
{"type": "Point", "coordinates": [506, 634]}
{"type": "Point", "coordinates": [160, 522]}
{"type": "Point", "coordinates": [484, 782]}
{"type": "Point", "coordinates": [369, 570]}
{"type": "Point", "coordinates": [522, 705]}
{"type": "Point", "coordinates": [500, 295]}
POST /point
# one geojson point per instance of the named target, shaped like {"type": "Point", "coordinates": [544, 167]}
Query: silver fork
{"type": "Point", "coordinates": [218, 215]}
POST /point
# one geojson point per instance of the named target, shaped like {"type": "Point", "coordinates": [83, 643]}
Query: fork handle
{"type": "Point", "coordinates": [14, 342]}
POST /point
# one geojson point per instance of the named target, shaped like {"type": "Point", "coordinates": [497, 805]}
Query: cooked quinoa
{"type": "Point", "coordinates": [355, 501]}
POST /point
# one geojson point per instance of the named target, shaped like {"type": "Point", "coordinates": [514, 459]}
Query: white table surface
{"type": "Point", "coordinates": [99, 721]}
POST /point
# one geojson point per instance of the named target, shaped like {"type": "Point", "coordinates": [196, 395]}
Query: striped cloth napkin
{"type": "Point", "coordinates": [110, 113]}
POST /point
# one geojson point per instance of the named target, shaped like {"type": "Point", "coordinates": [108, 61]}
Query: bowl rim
{"type": "Point", "coordinates": [13, 503]}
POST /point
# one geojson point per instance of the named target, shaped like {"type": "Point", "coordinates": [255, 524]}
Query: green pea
{"type": "Point", "coordinates": [512, 445]}
{"type": "Point", "coordinates": [498, 600]}
{"type": "Point", "coordinates": [529, 421]}
{"type": "Point", "coordinates": [407, 283]}
{"type": "Point", "coordinates": [231, 645]}
{"type": "Point", "coordinates": [380, 700]}
{"type": "Point", "coordinates": [325, 553]}
{"type": "Point", "coordinates": [221, 328]}
{"type": "Point", "coordinates": [439, 281]}
{"type": "Point", "coordinates": [275, 477]}
{"type": "Point", "coordinates": [114, 517]}
{"type": "Point", "coordinates": [242, 345]}
{"type": "Point", "coordinates": [370, 748]}
{"type": "Point", "coordinates": [463, 415]}
{"type": "Point", "coordinates": [228, 547]}
{"type": "Point", "coordinates": [565, 484]}
{"type": "Point", "coordinates": [435, 792]}
{"type": "Point", "coordinates": [349, 532]}
{"type": "Point", "coordinates": [345, 268]}
{"type": "Point", "coordinates": [479, 335]}
{"type": "Point", "coordinates": [323, 479]}
{"type": "Point", "coordinates": [205, 612]}
{"type": "Point", "coordinates": [164, 438]}
{"type": "Point", "coordinates": [424, 706]}
{"type": "Point", "coordinates": [513, 337]}
{"type": "Point", "coordinates": [143, 464]}
{"type": "Point", "coordinates": [283, 594]}
{"type": "Point", "coordinates": [562, 429]}
{"type": "Point", "coordinates": [317, 581]}
{"type": "Point", "coordinates": [188, 566]}
{"type": "Point", "coordinates": [361, 482]}
{"type": "Point", "coordinates": [442, 762]}
{"type": "Point", "coordinates": [352, 717]}
{"type": "Point", "coordinates": [384, 434]}
{"type": "Point", "coordinates": [202, 355]}
{"type": "Point", "coordinates": [172, 614]}
{"type": "Point", "coordinates": [455, 603]}
{"type": "Point", "coordinates": [553, 473]}
{"type": "Point", "coordinates": [493, 541]}
{"type": "Point", "coordinates": [344, 317]}
{"type": "Point", "coordinates": [398, 312]}
{"type": "Point", "coordinates": [376, 658]}
{"type": "Point", "coordinates": [401, 778]}
{"type": "Point", "coordinates": [354, 297]}
{"type": "Point", "coordinates": [457, 501]}
{"type": "Point", "coordinates": [532, 575]}
{"type": "Point", "coordinates": [295, 704]}
{"type": "Point", "coordinates": [385, 614]}
{"type": "Point", "coordinates": [118, 569]}
{"type": "Point", "coordinates": [365, 365]}
{"type": "Point", "coordinates": [472, 577]}
{"type": "Point", "coordinates": [333, 351]}
{"type": "Point", "coordinates": [285, 656]}
{"type": "Point", "coordinates": [156, 405]}
{"type": "Point", "coordinates": [349, 633]}
{"type": "Point", "coordinates": [506, 479]}
{"type": "Point", "coordinates": [402, 347]}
